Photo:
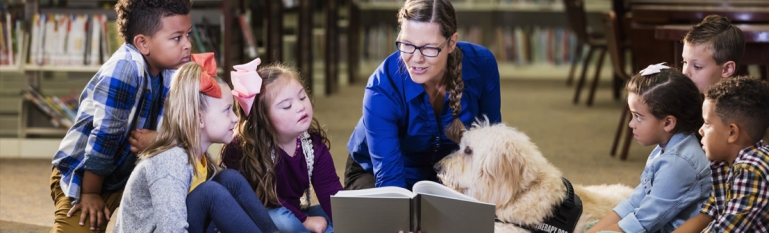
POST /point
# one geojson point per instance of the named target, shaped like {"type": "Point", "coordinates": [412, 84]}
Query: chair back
{"type": "Point", "coordinates": [575, 14]}
{"type": "Point", "coordinates": [614, 45]}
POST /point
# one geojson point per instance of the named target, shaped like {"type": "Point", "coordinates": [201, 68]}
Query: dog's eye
{"type": "Point", "coordinates": [468, 151]}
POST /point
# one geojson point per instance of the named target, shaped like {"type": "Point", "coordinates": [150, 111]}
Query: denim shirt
{"type": "Point", "coordinates": [399, 138]}
{"type": "Point", "coordinates": [674, 185]}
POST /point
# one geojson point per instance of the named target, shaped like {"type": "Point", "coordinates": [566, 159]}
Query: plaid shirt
{"type": "Point", "coordinates": [116, 101]}
{"type": "Point", "coordinates": [739, 200]}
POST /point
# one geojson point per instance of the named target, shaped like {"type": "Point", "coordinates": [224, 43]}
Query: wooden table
{"type": "Point", "coordinates": [756, 43]}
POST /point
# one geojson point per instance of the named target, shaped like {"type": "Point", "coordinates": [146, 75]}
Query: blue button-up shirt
{"type": "Point", "coordinates": [673, 186]}
{"type": "Point", "coordinates": [118, 99]}
{"type": "Point", "coordinates": [399, 139]}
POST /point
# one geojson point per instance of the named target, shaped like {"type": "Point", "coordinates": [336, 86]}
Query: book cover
{"type": "Point", "coordinates": [245, 28]}
{"type": "Point", "coordinates": [430, 207]}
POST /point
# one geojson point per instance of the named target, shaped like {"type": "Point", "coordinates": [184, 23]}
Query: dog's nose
{"type": "Point", "coordinates": [437, 167]}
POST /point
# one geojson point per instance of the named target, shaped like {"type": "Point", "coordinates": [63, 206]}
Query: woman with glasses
{"type": "Point", "coordinates": [420, 100]}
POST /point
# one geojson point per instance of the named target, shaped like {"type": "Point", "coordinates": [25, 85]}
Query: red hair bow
{"type": "Point", "coordinates": [208, 84]}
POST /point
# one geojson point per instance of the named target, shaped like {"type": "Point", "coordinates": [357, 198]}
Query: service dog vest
{"type": "Point", "coordinates": [565, 215]}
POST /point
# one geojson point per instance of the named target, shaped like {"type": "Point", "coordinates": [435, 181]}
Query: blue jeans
{"type": "Point", "coordinates": [288, 222]}
{"type": "Point", "coordinates": [229, 202]}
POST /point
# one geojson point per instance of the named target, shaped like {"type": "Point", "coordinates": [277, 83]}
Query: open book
{"type": "Point", "coordinates": [430, 208]}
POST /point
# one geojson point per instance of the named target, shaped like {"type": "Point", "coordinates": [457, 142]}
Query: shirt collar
{"type": "Point", "coordinates": [750, 151]}
{"type": "Point", "coordinates": [675, 139]}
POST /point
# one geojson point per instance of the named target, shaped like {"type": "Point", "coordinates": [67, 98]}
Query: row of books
{"type": "Point", "coordinates": [528, 45]}
{"type": "Point", "coordinates": [72, 39]}
{"type": "Point", "coordinates": [62, 111]}
{"type": "Point", "coordinates": [514, 45]}
{"type": "Point", "coordinates": [10, 37]}
{"type": "Point", "coordinates": [81, 39]}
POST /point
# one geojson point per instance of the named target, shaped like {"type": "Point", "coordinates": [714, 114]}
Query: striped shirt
{"type": "Point", "coordinates": [117, 100]}
{"type": "Point", "coordinates": [739, 200]}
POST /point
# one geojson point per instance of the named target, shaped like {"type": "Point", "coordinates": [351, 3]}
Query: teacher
{"type": "Point", "coordinates": [420, 100]}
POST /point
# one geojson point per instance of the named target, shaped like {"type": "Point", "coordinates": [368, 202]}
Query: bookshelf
{"type": "Point", "coordinates": [542, 23]}
{"type": "Point", "coordinates": [241, 25]}
{"type": "Point", "coordinates": [312, 36]}
{"type": "Point", "coordinates": [218, 18]}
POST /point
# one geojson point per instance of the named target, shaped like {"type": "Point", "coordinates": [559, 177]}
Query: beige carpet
{"type": "Point", "coordinates": [574, 138]}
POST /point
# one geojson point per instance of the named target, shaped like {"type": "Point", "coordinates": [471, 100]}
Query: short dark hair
{"type": "Point", "coordinates": [744, 101]}
{"type": "Point", "coordinates": [136, 17]}
{"type": "Point", "coordinates": [726, 40]}
{"type": "Point", "coordinates": [670, 92]}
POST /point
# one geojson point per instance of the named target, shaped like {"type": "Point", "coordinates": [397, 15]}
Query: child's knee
{"type": "Point", "coordinates": [207, 192]}
{"type": "Point", "coordinates": [285, 220]}
{"type": "Point", "coordinates": [229, 176]}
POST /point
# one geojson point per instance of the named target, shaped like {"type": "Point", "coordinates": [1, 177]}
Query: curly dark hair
{"type": "Point", "coordinates": [744, 101]}
{"type": "Point", "coordinates": [670, 92]}
{"type": "Point", "coordinates": [136, 17]}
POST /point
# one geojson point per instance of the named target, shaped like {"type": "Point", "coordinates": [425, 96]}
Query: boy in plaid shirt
{"type": "Point", "coordinates": [736, 114]}
{"type": "Point", "coordinates": [120, 109]}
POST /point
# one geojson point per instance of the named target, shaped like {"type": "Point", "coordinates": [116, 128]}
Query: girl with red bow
{"type": "Point", "coordinates": [176, 187]}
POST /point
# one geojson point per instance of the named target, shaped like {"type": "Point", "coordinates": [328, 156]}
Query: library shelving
{"type": "Point", "coordinates": [75, 55]}
{"type": "Point", "coordinates": [306, 33]}
{"type": "Point", "coordinates": [529, 38]}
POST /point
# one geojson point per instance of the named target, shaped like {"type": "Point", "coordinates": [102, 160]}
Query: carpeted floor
{"type": "Point", "coordinates": [575, 138]}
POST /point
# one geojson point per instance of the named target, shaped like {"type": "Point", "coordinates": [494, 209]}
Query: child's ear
{"type": "Point", "coordinates": [728, 69]}
{"type": "Point", "coordinates": [734, 133]}
{"type": "Point", "coordinates": [202, 125]}
{"type": "Point", "coordinates": [141, 42]}
{"type": "Point", "coordinates": [670, 123]}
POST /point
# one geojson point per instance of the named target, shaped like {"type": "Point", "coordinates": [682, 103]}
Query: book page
{"type": "Point", "coordinates": [436, 189]}
{"type": "Point", "coordinates": [391, 192]}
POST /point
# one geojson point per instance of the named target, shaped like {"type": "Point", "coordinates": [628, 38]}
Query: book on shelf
{"type": "Point", "coordinates": [62, 111]}
{"type": "Point", "coordinates": [248, 36]}
{"type": "Point", "coordinates": [430, 207]}
{"type": "Point", "coordinates": [11, 36]}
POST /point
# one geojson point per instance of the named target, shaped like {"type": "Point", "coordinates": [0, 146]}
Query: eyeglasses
{"type": "Point", "coordinates": [426, 51]}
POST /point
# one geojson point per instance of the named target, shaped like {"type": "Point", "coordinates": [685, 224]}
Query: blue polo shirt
{"type": "Point", "coordinates": [398, 139]}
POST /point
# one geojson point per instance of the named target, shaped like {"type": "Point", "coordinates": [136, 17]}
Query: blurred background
{"type": "Point", "coordinates": [563, 64]}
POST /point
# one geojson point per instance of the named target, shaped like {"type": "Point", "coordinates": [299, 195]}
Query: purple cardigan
{"type": "Point", "coordinates": [291, 178]}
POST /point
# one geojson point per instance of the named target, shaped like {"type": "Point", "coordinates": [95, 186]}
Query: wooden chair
{"type": "Point", "coordinates": [616, 49]}
{"type": "Point", "coordinates": [575, 12]}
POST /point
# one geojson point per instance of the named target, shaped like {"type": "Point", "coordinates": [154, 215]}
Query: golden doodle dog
{"type": "Point", "coordinates": [498, 164]}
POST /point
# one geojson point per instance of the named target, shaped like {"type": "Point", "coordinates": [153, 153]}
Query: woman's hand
{"type": "Point", "coordinates": [315, 224]}
{"type": "Point", "coordinates": [92, 206]}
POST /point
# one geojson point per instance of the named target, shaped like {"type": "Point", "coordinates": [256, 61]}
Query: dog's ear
{"type": "Point", "coordinates": [500, 164]}
{"type": "Point", "coordinates": [513, 163]}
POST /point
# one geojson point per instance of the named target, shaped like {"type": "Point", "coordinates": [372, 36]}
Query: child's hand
{"type": "Point", "coordinates": [315, 224]}
{"type": "Point", "coordinates": [140, 139]}
{"type": "Point", "coordinates": [92, 206]}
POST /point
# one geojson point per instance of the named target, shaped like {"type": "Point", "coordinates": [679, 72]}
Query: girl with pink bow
{"type": "Point", "coordinates": [280, 147]}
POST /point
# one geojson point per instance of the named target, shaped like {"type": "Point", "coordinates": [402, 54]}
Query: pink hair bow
{"type": "Point", "coordinates": [246, 84]}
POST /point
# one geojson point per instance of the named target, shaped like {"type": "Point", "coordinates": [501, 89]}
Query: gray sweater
{"type": "Point", "coordinates": [154, 199]}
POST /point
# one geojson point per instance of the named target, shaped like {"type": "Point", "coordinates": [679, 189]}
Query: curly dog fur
{"type": "Point", "coordinates": [499, 164]}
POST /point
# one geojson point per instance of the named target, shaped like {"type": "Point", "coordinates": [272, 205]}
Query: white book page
{"type": "Point", "coordinates": [436, 189]}
{"type": "Point", "coordinates": [387, 192]}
